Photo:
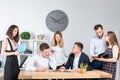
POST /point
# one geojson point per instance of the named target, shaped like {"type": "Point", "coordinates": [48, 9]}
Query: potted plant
{"type": "Point", "coordinates": [25, 35]}
{"type": "Point", "coordinates": [83, 67]}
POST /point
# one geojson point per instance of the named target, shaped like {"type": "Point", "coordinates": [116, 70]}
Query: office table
{"type": "Point", "coordinates": [63, 75]}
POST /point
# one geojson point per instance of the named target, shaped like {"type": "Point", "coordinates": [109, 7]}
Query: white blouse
{"type": "Point", "coordinates": [60, 55]}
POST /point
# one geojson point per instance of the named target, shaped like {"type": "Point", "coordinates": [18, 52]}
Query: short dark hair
{"type": "Point", "coordinates": [43, 46]}
{"type": "Point", "coordinates": [79, 44]}
{"type": "Point", "coordinates": [98, 26]}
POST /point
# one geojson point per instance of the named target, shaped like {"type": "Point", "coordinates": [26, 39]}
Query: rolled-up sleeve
{"type": "Point", "coordinates": [52, 62]}
{"type": "Point", "coordinates": [30, 65]}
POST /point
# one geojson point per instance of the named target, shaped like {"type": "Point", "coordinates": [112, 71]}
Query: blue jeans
{"type": "Point", "coordinates": [96, 64]}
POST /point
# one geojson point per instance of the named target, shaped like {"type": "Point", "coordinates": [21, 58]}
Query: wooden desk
{"type": "Point", "coordinates": [63, 75]}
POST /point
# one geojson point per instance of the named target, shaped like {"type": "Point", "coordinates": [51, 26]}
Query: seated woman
{"type": "Point", "coordinates": [42, 61]}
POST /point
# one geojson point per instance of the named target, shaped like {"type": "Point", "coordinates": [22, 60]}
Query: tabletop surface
{"type": "Point", "coordinates": [63, 75]}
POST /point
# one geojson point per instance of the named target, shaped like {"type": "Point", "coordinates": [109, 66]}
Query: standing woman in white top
{"type": "Point", "coordinates": [9, 49]}
{"type": "Point", "coordinates": [58, 47]}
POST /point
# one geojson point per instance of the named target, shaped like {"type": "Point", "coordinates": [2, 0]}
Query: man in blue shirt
{"type": "Point", "coordinates": [97, 45]}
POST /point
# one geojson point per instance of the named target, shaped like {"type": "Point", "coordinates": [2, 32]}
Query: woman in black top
{"type": "Point", "coordinates": [9, 49]}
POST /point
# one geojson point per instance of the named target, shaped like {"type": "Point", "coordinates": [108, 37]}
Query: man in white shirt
{"type": "Point", "coordinates": [42, 61]}
{"type": "Point", "coordinates": [97, 45]}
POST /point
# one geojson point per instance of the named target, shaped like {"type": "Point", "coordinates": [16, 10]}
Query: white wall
{"type": "Point", "coordinates": [30, 15]}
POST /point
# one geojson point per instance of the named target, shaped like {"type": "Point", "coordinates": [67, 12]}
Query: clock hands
{"type": "Point", "coordinates": [57, 21]}
{"type": "Point", "coordinates": [53, 19]}
{"type": "Point", "coordinates": [61, 18]}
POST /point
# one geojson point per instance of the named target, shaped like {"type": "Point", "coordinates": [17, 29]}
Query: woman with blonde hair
{"type": "Point", "coordinates": [58, 47]}
{"type": "Point", "coordinates": [113, 52]}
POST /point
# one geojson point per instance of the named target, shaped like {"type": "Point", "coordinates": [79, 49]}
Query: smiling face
{"type": "Point", "coordinates": [15, 31]}
{"type": "Point", "coordinates": [99, 32]}
{"type": "Point", "coordinates": [107, 37]}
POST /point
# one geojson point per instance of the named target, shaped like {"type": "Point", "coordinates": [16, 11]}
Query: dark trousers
{"type": "Point", "coordinates": [96, 64]}
{"type": "Point", "coordinates": [60, 66]}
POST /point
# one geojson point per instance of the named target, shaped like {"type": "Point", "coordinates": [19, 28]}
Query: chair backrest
{"type": "Point", "coordinates": [0, 45]}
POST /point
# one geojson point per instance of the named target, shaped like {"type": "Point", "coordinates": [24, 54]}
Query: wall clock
{"type": "Point", "coordinates": [57, 20]}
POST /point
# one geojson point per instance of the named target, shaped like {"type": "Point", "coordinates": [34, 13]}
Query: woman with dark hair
{"type": "Point", "coordinates": [9, 49]}
{"type": "Point", "coordinates": [113, 51]}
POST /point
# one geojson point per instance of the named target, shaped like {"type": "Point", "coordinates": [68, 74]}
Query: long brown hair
{"type": "Point", "coordinates": [9, 33]}
{"type": "Point", "coordinates": [113, 40]}
{"type": "Point", "coordinates": [54, 42]}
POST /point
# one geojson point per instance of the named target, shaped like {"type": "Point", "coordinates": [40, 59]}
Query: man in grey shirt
{"type": "Point", "coordinates": [97, 45]}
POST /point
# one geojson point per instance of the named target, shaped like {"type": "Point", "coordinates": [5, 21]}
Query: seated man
{"type": "Point", "coordinates": [42, 61]}
{"type": "Point", "coordinates": [76, 58]}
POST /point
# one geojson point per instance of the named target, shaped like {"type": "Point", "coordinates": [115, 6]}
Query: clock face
{"type": "Point", "coordinates": [57, 20]}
